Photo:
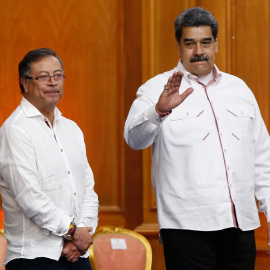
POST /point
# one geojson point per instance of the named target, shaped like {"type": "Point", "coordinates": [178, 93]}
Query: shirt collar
{"type": "Point", "coordinates": [188, 77]}
{"type": "Point", "coordinates": [31, 111]}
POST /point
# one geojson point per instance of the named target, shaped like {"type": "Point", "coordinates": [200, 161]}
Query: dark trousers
{"type": "Point", "coordinates": [48, 264]}
{"type": "Point", "coordinates": [229, 249]}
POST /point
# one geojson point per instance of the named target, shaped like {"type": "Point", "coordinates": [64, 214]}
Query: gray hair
{"type": "Point", "coordinates": [195, 17]}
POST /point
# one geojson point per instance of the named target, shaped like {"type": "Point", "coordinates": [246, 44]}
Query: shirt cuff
{"type": "Point", "coordinates": [64, 226]}
{"type": "Point", "coordinates": [154, 117]}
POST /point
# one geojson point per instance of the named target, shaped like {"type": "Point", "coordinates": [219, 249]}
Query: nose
{"type": "Point", "coordinates": [198, 49]}
{"type": "Point", "coordinates": [52, 80]}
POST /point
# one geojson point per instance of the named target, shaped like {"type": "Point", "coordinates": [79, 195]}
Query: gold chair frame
{"type": "Point", "coordinates": [112, 230]}
{"type": "Point", "coordinates": [2, 235]}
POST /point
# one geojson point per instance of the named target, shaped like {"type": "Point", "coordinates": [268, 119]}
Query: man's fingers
{"type": "Point", "coordinates": [73, 258]}
{"type": "Point", "coordinates": [187, 93]}
{"type": "Point", "coordinates": [89, 229]}
{"type": "Point", "coordinates": [65, 250]}
{"type": "Point", "coordinates": [82, 239]}
{"type": "Point", "coordinates": [83, 251]}
{"type": "Point", "coordinates": [174, 81]}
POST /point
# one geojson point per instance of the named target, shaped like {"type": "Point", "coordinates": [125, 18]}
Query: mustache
{"type": "Point", "coordinates": [198, 58]}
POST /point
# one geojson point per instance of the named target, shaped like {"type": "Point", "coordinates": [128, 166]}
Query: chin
{"type": "Point", "coordinates": [53, 101]}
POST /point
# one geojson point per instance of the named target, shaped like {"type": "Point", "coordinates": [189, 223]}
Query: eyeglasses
{"type": "Point", "coordinates": [44, 79]}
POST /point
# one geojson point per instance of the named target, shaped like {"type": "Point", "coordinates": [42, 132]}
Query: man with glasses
{"type": "Point", "coordinates": [47, 186]}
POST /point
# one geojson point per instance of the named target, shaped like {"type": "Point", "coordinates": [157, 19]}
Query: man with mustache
{"type": "Point", "coordinates": [210, 154]}
{"type": "Point", "coordinates": [46, 184]}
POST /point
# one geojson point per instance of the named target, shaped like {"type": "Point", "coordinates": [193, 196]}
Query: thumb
{"type": "Point", "coordinates": [89, 229]}
{"type": "Point", "coordinates": [187, 93]}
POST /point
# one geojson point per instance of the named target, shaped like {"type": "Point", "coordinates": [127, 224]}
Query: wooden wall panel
{"type": "Point", "coordinates": [252, 58]}
{"type": "Point", "coordinates": [252, 49]}
{"type": "Point", "coordinates": [87, 35]}
{"type": "Point", "coordinates": [132, 78]}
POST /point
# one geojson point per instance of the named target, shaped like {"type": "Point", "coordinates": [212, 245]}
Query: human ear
{"type": "Point", "coordinates": [24, 83]}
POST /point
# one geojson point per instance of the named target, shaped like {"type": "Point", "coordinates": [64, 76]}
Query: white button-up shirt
{"type": "Point", "coordinates": [210, 153]}
{"type": "Point", "coordinates": [45, 182]}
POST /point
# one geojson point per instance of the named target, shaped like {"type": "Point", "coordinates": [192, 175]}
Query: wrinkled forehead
{"type": "Point", "coordinates": [197, 33]}
{"type": "Point", "coordinates": [47, 63]}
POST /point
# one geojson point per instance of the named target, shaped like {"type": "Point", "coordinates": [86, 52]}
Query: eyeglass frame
{"type": "Point", "coordinates": [47, 76]}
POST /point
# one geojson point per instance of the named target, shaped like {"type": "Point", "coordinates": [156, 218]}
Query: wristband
{"type": "Point", "coordinates": [162, 114]}
{"type": "Point", "coordinates": [71, 231]}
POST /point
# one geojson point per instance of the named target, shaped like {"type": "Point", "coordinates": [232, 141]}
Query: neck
{"type": "Point", "coordinates": [46, 109]}
{"type": "Point", "coordinates": [207, 78]}
{"type": "Point", "coordinates": [50, 116]}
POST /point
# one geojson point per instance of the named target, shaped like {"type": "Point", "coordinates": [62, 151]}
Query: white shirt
{"type": "Point", "coordinates": [212, 150]}
{"type": "Point", "coordinates": [207, 78]}
{"type": "Point", "coordinates": [40, 169]}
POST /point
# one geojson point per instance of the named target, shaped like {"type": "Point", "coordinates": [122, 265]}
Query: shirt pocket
{"type": "Point", "coordinates": [241, 121]}
{"type": "Point", "coordinates": [189, 123]}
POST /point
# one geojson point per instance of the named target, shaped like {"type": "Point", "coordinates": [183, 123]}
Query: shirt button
{"type": "Point", "coordinates": [75, 194]}
{"type": "Point", "coordinates": [68, 172]}
{"type": "Point", "coordinates": [61, 150]}
{"type": "Point", "coordinates": [59, 232]}
{"type": "Point", "coordinates": [225, 151]}
{"type": "Point", "coordinates": [228, 168]}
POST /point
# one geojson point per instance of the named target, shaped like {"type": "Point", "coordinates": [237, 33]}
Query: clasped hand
{"type": "Point", "coordinates": [82, 240]}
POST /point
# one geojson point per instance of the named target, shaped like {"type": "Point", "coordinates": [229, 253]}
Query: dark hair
{"type": "Point", "coordinates": [31, 57]}
{"type": "Point", "coordinates": [195, 17]}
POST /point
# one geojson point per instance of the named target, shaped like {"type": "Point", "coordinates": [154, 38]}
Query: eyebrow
{"type": "Point", "coordinates": [43, 71]}
{"type": "Point", "coordinates": [191, 39]}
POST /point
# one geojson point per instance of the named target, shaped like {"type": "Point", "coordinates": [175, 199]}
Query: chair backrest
{"type": "Point", "coordinates": [3, 243]}
{"type": "Point", "coordinates": [122, 249]}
